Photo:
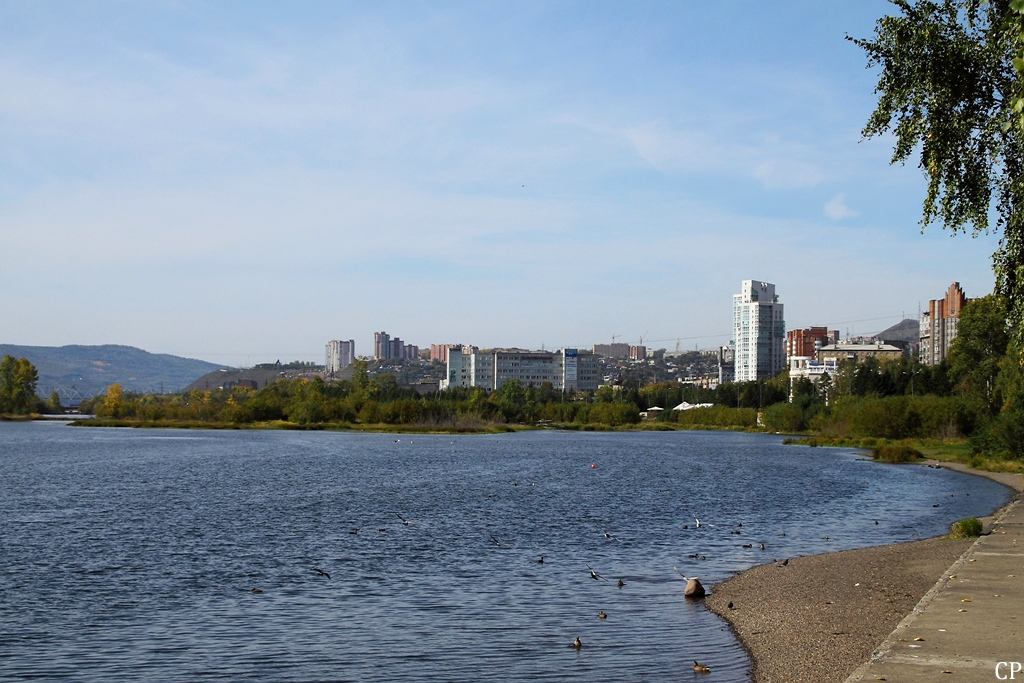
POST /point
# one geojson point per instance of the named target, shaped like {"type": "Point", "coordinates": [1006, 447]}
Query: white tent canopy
{"type": "Point", "coordinates": [690, 406]}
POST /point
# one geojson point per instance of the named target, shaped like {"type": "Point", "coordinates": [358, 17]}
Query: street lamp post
{"type": "Point", "coordinates": [912, 376]}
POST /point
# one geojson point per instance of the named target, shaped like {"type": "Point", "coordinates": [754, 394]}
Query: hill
{"type": "Point", "coordinates": [907, 330]}
{"type": "Point", "coordinates": [259, 376]}
{"type": "Point", "coordinates": [88, 370]}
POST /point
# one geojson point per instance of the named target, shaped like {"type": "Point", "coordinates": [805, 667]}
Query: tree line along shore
{"type": "Point", "coordinates": [971, 406]}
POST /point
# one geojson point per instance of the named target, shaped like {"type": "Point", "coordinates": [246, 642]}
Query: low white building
{"type": "Point", "coordinates": [810, 368]}
{"type": "Point", "coordinates": [565, 369]}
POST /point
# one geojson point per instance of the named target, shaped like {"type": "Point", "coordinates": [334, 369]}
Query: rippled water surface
{"type": "Point", "coordinates": [133, 554]}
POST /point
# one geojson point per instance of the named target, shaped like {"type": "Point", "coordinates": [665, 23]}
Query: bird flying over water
{"type": "Point", "coordinates": [594, 575]}
{"type": "Point", "coordinates": [321, 572]}
{"type": "Point", "coordinates": [685, 577]}
{"type": "Point", "coordinates": [404, 521]}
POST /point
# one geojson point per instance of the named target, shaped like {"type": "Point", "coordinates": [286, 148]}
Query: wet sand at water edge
{"type": "Point", "coordinates": [818, 618]}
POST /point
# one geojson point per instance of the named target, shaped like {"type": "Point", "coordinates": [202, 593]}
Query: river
{"type": "Point", "coordinates": [174, 555]}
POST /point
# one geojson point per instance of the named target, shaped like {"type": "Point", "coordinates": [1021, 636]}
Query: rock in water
{"type": "Point", "coordinates": [693, 589]}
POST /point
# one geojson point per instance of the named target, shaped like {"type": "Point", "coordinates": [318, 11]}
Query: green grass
{"type": "Point", "coordinates": [966, 528]}
{"type": "Point", "coordinates": [944, 451]}
{"type": "Point", "coordinates": [960, 451]}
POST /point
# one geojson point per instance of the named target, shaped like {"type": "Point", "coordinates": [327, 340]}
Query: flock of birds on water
{"type": "Point", "coordinates": [577, 643]}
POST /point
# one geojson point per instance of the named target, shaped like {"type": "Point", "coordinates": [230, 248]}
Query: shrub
{"type": "Point", "coordinates": [899, 417]}
{"type": "Point", "coordinates": [715, 416]}
{"type": "Point", "coordinates": [966, 528]}
{"type": "Point", "coordinates": [784, 417]}
{"type": "Point", "coordinates": [895, 453]}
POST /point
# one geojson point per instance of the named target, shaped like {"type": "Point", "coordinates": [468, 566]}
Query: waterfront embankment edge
{"type": "Point", "coordinates": [827, 617]}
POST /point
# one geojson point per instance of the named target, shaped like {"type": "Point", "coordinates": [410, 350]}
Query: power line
{"type": "Point", "coordinates": [727, 334]}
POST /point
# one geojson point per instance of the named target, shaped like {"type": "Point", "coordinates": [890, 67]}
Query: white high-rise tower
{"type": "Point", "coordinates": [339, 354]}
{"type": "Point", "coordinates": [759, 331]}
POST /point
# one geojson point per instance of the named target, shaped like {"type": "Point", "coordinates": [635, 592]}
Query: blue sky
{"type": "Point", "coordinates": [243, 181]}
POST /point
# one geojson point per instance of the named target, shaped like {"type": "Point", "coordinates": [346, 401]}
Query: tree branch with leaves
{"type": "Point", "coordinates": [950, 90]}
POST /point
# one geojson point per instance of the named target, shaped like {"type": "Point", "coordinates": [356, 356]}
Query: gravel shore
{"type": "Point", "coordinates": [818, 618]}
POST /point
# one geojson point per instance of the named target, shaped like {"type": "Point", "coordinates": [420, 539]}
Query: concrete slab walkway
{"type": "Point", "coordinates": [969, 623]}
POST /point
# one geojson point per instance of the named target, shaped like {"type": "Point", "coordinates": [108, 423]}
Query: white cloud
{"type": "Point", "coordinates": [771, 160]}
{"type": "Point", "coordinates": [836, 208]}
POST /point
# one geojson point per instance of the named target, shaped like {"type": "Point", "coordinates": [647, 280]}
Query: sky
{"type": "Point", "coordinates": [241, 182]}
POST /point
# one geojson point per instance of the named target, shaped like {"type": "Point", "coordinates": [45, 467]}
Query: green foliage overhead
{"type": "Point", "coordinates": [949, 90]}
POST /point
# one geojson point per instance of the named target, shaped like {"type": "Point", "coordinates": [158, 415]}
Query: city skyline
{"type": "Point", "coordinates": [243, 183]}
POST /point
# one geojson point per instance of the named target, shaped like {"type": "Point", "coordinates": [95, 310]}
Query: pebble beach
{"type": "Point", "coordinates": [817, 618]}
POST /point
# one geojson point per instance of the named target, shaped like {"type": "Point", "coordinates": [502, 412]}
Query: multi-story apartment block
{"type": "Point", "coordinates": [381, 346]}
{"type": "Point", "coordinates": [637, 352]}
{"type": "Point", "coordinates": [614, 350]}
{"type": "Point", "coordinates": [759, 332]}
{"type": "Point", "coordinates": [440, 351]}
{"type": "Point", "coordinates": [727, 363]}
{"type": "Point", "coordinates": [939, 325]}
{"type": "Point", "coordinates": [808, 341]}
{"type": "Point", "coordinates": [339, 354]}
{"type": "Point", "coordinates": [566, 369]}
{"type": "Point", "coordinates": [386, 347]}
{"type": "Point", "coordinates": [858, 352]}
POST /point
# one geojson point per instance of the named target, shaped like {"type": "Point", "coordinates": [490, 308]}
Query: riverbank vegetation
{"type": "Point", "coordinates": [966, 528]}
{"type": "Point", "coordinates": [381, 404]}
{"type": "Point", "coordinates": [895, 453]}
{"type": "Point", "coordinates": [18, 378]}
{"type": "Point", "coordinates": [970, 408]}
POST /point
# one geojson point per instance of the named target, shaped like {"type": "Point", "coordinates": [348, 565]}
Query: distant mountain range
{"type": "Point", "coordinates": [89, 370]}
